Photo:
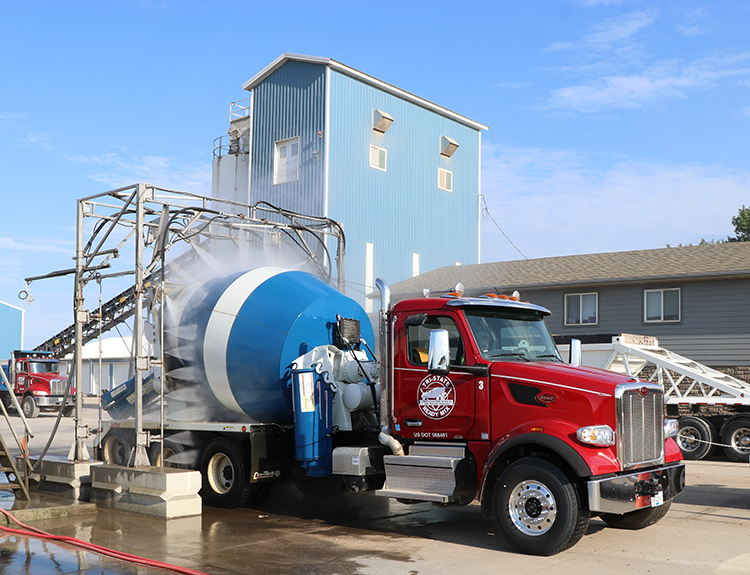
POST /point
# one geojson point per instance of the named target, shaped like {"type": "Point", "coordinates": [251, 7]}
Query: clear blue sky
{"type": "Point", "coordinates": [614, 124]}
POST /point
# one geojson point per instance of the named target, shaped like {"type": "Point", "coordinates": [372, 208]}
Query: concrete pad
{"type": "Point", "coordinates": [40, 507]}
{"type": "Point", "coordinates": [158, 491]}
{"type": "Point", "coordinates": [62, 478]}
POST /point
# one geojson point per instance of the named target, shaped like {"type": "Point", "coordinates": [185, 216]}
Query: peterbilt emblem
{"type": "Point", "coordinates": [643, 391]}
{"type": "Point", "coordinates": [436, 396]}
{"type": "Point", "coordinates": [546, 398]}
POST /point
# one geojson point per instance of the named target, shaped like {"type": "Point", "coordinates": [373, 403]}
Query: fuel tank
{"type": "Point", "coordinates": [237, 337]}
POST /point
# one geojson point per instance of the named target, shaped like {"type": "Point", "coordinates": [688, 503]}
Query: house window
{"type": "Point", "coordinates": [286, 161]}
{"type": "Point", "coordinates": [378, 158]}
{"type": "Point", "coordinates": [445, 180]}
{"type": "Point", "coordinates": [581, 308]}
{"type": "Point", "coordinates": [661, 304]}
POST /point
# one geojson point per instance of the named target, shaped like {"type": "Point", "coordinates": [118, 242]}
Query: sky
{"type": "Point", "coordinates": [613, 124]}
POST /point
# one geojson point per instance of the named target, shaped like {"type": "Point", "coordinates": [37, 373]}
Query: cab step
{"type": "Point", "coordinates": [437, 472]}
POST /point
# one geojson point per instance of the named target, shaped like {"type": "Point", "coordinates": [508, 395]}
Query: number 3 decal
{"type": "Point", "coordinates": [481, 385]}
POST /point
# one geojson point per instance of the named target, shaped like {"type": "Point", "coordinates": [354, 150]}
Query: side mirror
{"type": "Point", "coordinates": [439, 352]}
{"type": "Point", "coordinates": [575, 352]}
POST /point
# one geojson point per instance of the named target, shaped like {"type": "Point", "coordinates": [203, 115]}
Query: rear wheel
{"type": "Point", "coordinates": [538, 508]}
{"type": "Point", "coordinates": [29, 407]}
{"type": "Point", "coordinates": [117, 446]}
{"type": "Point", "coordinates": [696, 437]}
{"type": "Point", "coordinates": [175, 455]}
{"type": "Point", "coordinates": [225, 475]}
{"type": "Point", "coordinates": [736, 439]}
{"type": "Point", "coordinates": [636, 519]}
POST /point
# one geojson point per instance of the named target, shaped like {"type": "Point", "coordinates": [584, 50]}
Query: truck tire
{"type": "Point", "coordinates": [117, 446]}
{"type": "Point", "coordinates": [69, 411]}
{"type": "Point", "coordinates": [538, 509]}
{"type": "Point", "coordinates": [636, 519]}
{"type": "Point", "coordinates": [29, 407]}
{"type": "Point", "coordinates": [225, 475]}
{"type": "Point", "coordinates": [696, 437]}
{"type": "Point", "coordinates": [736, 439]}
{"type": "Point", "coordinates": [175, 455]}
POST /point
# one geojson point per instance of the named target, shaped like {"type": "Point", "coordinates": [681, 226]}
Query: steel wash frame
{"type": "Point", "coordinates": [144, 220]}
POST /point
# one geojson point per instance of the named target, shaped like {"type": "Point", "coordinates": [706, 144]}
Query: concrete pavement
{"type": "Point", "coordinates": [706, 531]}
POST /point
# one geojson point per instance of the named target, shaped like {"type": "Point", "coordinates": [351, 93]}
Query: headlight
{"type": "Point", "coordinates": [671, 428]}
{"type": "Point", "coordinates": [40, 393]}
{"type": "Point", "coordinates": [596, 435]}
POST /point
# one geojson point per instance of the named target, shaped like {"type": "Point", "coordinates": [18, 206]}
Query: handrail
{"type": "Point", "coordinates": [237, 111]}
{"type": "Point", "coordinates": [17, 406]}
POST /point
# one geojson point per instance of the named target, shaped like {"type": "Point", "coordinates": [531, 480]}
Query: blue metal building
{"type": "Point", "coordinates": [11, 329]}
{"type": "Point", "coordinates": [402, 174]}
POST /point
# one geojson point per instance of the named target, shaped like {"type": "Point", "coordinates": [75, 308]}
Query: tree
{"type": "Point", "coordinates": [741, 223]}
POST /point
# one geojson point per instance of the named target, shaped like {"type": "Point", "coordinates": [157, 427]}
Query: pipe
{"type": "Point", "coordinates": [386, 369]}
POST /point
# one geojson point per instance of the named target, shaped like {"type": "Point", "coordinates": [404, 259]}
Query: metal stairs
{"type": "Point", "coordinates": [431, 472]}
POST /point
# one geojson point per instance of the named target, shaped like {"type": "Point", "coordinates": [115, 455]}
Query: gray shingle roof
{"type": "Point", "coordinates": [691, 262]}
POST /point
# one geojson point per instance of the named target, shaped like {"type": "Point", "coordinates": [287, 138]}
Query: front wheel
{"type": "Point", "coordinates": [29, 407]}
{"type": "Point", "coordinates": [538, 508]}
{"type": "Point", "coordinates": [636, 519]}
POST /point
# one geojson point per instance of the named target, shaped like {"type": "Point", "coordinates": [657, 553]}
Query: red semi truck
{"type": "Point", "coordinates": [470, 401]}
{"type": "Point", "coordinates": [37, 383]}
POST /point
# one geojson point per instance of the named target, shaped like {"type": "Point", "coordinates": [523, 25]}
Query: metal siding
{"type": "Point", "coordinates": [715, 326]}
{"type": "Point", "coordinates": [401, 211]}
{"type": "Point", "coordinates": [11, 329]}
{"type": "Point", "coordinates": [289, 103]}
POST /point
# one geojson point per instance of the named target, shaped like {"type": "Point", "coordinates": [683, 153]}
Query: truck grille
{"type": "Point", "coordinates": [57, 386]}
{"type": "Point", "coordinates": [641, 424]}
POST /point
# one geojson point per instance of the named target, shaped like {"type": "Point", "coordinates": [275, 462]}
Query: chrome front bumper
{"type": "Point", "coordinates": [52, 400]}
{"type": "Point", "coordinates": [624, 493]}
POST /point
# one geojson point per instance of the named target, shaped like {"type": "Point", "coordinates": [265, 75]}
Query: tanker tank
{"type": "Point", "coordinates": [238, 336]}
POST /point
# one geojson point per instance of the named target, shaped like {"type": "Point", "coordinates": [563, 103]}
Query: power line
{"type": "Point", "coordinates": [486, 211]}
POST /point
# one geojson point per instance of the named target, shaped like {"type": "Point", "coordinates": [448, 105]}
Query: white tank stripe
{"type": "Point", "coordinates": [220, 326]}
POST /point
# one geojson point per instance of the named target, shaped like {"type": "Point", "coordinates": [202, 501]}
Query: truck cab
{"type": "Point", "coordinates": [485, 408]}
{"type": "Point", "coordinates": [37, 383]}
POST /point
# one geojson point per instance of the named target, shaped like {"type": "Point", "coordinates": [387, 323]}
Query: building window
{"type": "Point", "coordinates": [378, 158]}
{"type": "Point", "coordinates": [445, 180]}
{"type": "Point", "coordinates": [581, 308]}
{"type": "Point", "coordinates": [661, 305]}
{"type": "Point", "coordinates": [414, 264]}
{"type": "Point", "coordinates": [286, 161]}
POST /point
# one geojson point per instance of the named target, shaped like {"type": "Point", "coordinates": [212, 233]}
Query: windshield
{"type": "Point", "coordinates": [44, 367]}
{"type": "Point", "coordinates": [511, 334]}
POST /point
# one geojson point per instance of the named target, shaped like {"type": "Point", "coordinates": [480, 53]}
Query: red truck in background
{"type": "Point", "coordinates": [37, 383]}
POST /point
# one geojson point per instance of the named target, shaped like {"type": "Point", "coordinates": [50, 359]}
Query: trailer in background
{"type": "Point", "coordinates": [713, 408]}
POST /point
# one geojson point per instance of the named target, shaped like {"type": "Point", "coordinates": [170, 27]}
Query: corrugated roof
{"type": "Point", "coordinates": [666, 264]}
{"type": "Point", "coordinates": [344, 69]}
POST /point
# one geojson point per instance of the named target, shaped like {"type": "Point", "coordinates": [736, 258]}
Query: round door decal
{"type": "Point", "coordinates": [436, 396]}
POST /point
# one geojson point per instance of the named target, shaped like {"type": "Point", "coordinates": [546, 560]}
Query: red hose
{"type": "Point", "coordinates": [34, 532]}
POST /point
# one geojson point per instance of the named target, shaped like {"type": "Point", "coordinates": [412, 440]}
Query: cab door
{"type": "Point", "coordinates": [428, 406]}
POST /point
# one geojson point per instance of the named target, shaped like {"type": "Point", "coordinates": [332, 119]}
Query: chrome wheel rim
{"type": "Point", "coordinates": [741, 440]}
{"type": "Point", "coordinates": [689, 438]}
{"type": "Point", "coordinates": [532, 508]}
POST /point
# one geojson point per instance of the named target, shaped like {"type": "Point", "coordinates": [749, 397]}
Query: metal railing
{"type": "Point", "coordinates": [239, 109]}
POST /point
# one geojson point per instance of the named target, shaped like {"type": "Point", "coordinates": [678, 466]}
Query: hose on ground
{"type": "Point", "coordinates": [29, 531]}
